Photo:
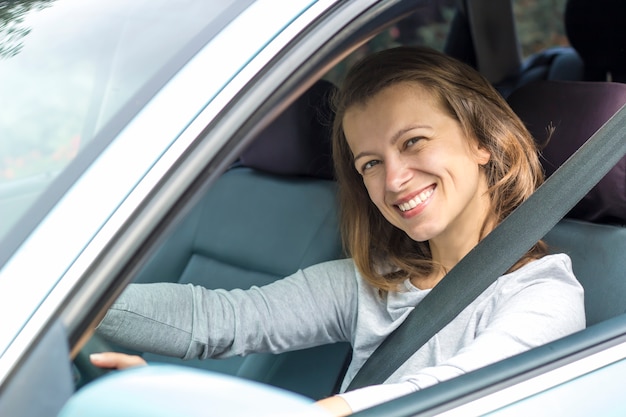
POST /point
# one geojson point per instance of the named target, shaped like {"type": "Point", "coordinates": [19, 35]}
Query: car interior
{"type": "Point", "coordinates": [282, 216]}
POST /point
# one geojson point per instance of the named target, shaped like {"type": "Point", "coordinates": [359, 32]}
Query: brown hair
{"type": "Point", "coordinates": [384, 254]}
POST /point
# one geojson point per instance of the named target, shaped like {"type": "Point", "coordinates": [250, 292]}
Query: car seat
{"type": "Point", "coordinates": [271, 214]}
{"type": "Point", "coordinates": [559, 63]}
{"type": "Point", "coordinates": [593, 232]}
{"type": "Point", "coordinates": [595, 30]}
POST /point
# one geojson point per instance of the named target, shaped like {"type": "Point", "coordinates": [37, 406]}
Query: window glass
{"type": "Point", "coordinates": [67, 67]}
{"type": "Point", "coordinates": [540, 24]}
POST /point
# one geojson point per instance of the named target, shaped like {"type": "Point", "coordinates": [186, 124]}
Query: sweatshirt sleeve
{"type": "Point", "coordinates": [311, 307]}
{"type": "Point", "coordinates": [527, 311]}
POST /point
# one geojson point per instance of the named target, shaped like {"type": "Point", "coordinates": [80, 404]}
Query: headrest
{"type": "Point", "coordinates": [596, 29]}
{"type": "Point", "coordinates": [298, 142]}
{"type": "Point", "coordinates": [576, 110]}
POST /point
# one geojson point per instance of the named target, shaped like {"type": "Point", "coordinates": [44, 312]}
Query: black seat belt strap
{"type": "Point", "coordinates": [494, 255]}
{"type": "Point", "coordinates": [492, 26]}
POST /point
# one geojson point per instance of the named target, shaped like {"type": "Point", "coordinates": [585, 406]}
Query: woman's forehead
{"type": "Point", "coordinates": [395, 99]}
{"type": "Point", "coordinates": [403, 90]}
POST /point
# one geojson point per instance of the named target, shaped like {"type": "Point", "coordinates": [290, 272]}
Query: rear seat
{"type": "Point", "coordinates": [264, 219]}
{"type": "Point", "coordinates": [596, 32]}
{"type": "Point", "coordinates": [594, 232]}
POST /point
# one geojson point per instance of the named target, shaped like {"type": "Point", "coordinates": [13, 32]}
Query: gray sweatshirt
{"type": "Point", "coordinates": [331, 302]}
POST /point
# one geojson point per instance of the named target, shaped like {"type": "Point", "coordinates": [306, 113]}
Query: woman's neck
{"type": "Point", "coordinates": [448, 249]}
{"type": "Point", "coordinates": [430, 280]}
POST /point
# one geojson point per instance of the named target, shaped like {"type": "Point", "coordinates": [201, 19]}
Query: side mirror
{"type": "Point", "coordinates": [168, 391]}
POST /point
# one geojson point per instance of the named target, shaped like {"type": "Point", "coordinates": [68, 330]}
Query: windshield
{"type": "Point", "coordinates": [67, 67]}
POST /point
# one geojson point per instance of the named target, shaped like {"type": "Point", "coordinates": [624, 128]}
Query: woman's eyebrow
{"type": "Point", "coordinates": [362, 154]}
{"type": "Point", "coordinates": [401, 132]}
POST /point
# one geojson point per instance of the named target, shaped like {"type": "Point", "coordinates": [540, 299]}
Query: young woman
{"type": "Point", "coordinates": [429, 159]}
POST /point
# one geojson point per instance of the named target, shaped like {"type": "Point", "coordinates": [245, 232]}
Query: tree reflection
{"type": "Point", "coordinates": [12, 32]}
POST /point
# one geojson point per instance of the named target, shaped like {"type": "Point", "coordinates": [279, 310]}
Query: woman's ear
{"type": "Point", "coordinates": [481, 154]}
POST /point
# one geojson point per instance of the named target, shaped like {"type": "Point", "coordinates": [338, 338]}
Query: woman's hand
{"type": "Point", "coordinates": [115, 360]}
{"type": "Point", "coordinates": [336, 406]}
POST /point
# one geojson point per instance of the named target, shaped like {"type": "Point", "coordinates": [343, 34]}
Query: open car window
{"type": "Point", "coordinates": [209, 224]}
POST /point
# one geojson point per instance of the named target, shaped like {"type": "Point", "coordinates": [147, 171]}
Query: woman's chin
{"type": "Point", "coordinates": [420, 235]}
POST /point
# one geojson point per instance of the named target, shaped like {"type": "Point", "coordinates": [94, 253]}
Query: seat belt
{"type": "Point", "coordinates": [492, 26]}
{"type": "Point", "coordinates": [495, 254]}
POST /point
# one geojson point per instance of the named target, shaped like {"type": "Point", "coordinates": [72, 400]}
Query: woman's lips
{"type": "Point", "coordinates": [416, 202]}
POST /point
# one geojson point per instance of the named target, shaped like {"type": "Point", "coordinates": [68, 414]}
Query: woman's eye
{"type": "Point", "coordinates": [369, 164]}
{"type": "Point", "coordinates": [411, 142]}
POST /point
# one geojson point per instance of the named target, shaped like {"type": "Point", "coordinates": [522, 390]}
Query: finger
{"type": "Point", "coordinates": [116, 360]}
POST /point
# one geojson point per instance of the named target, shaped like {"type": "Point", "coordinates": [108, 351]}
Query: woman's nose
{"type": "Point", "coordinates": [397, 174]}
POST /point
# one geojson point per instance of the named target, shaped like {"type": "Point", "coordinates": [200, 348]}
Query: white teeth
{"type": "Point", "coordinates": [418, 199]}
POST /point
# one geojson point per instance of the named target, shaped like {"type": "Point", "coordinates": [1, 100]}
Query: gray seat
{"type": "Point", "coordinates": [593, 232]}
{"type": "Point", "coordinates": [597, 252]}
{"type": "Point", "coordinates": [268, 216]}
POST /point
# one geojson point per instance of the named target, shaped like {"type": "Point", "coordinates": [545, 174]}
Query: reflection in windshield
{"type": "Point", "coordinates": [66, 68]}
{"type": "Point", "coordinates": [11, 31]}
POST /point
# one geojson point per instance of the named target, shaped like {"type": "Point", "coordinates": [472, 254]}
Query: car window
{"type": "Point", "coordinates": [224, 242]}
{"type": "Point", "coordinates": [65, 81]}
{"type": "Point", "coordinates": [539, 24]}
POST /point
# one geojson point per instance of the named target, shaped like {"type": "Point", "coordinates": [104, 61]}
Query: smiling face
{"type": "Point", "coordinates": [419, 168]}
